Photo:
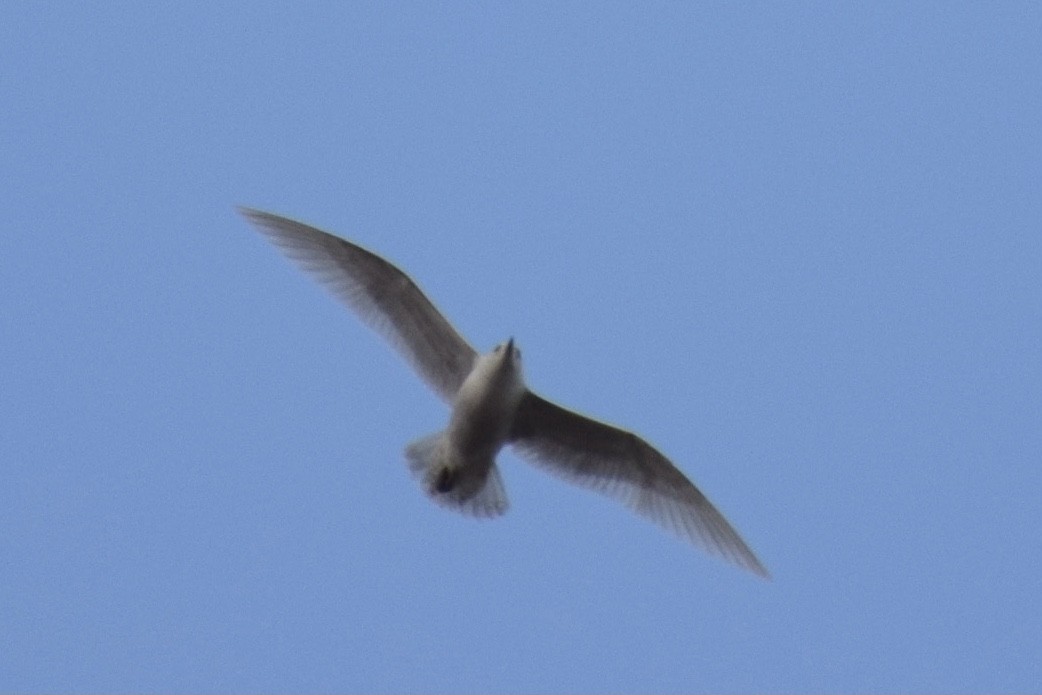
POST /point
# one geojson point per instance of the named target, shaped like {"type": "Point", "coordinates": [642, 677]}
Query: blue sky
{"type": "Point", "coordinates": [798, 246]}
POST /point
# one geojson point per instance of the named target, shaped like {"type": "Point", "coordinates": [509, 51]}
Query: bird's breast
{"type": "Point", "coordinates": [484, 411]}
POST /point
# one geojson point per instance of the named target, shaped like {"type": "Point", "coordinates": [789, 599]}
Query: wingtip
{"type": "Point", "coordinates": [248, 212]}
{"type": "Point", "coordinates": [744, 558]}
{"type": "Point", "coordinates": [761, 572]}
{"type": "Point", "coordinates": [265, 222]}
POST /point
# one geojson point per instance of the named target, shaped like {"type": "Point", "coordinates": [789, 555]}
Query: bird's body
{"type": "Point", "coordinates": [492, 407]}
{"type": "Point", "coordinates": [487, 402]}
{"type": "Point", "coordinates": [458, 466]}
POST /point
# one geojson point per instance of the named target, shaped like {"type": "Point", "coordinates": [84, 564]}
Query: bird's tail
{"type": "Point", "coordinates": [470, 489]}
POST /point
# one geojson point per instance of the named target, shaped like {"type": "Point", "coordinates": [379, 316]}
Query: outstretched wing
{"type": "Point", "coordinates": [624, 466]}
{"type": "Point", "coordinates": [381, 295]}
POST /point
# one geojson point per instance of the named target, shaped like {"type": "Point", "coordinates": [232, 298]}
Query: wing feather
{"type": "Point", "coordinates": [384, 297]}
{"type": "Point", "coordinates": [623, 466]}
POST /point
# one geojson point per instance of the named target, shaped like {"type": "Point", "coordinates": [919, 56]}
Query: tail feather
{"type": "Point", "coordinates": [466, 489]}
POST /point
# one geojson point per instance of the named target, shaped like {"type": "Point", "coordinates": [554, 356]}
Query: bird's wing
{"type": "Point", "coordinates": [624, 466]}
{"type": "Point", "coordinates": [382, 295]}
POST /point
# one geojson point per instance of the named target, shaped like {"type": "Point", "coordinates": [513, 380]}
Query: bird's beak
{"type": "Point", "coordinates": [510, 346]}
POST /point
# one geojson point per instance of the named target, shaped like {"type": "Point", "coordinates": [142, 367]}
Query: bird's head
{"type": "Point", "coordinates": [507, 356]}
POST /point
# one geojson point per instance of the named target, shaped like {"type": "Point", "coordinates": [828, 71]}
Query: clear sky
{"type": "Point", "coordinates": [797, 246]}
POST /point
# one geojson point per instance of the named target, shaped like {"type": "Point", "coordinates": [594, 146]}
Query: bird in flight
{"type": "Point", "coordinates": [492, 407]}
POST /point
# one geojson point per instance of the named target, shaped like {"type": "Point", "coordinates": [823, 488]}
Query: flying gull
{"type": "Point", "coordinates": [492, 407]}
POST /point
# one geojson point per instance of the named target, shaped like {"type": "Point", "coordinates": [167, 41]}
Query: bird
{"type": "Point", "coordinates": [492, 408]}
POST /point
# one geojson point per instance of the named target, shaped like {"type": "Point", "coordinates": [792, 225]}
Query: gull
{"type": "Point", "coordinates": [492, 407]}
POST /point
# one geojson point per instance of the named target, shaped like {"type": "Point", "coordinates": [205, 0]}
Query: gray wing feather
{"type": "Point", "coordinates": [381, 295]}
{"type": "Point", "coordinates": [624, 466]}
